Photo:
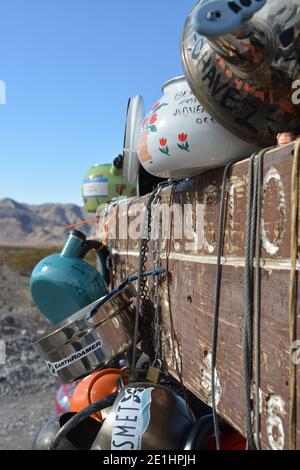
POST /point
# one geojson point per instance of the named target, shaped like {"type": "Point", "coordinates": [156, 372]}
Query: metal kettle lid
{"type": "Point", "coordinates": [135, 116]}
{"type": "Point", "coordinates": [172, 81]}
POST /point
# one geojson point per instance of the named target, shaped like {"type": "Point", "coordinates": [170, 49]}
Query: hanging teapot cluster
{"type": "Point", "coordinates": [240, 61]}
{"type": "Point", "coordinates": [241, 65]}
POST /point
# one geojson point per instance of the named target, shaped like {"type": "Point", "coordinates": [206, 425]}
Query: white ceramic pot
{"type": "Point", "coordinates": [178, 138]}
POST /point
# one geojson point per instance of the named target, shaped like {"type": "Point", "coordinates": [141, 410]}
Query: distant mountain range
{"type": "Point", "coordinates": [38, 225]}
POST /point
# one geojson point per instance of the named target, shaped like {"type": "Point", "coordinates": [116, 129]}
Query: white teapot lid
{"type": "Point", "coordinates": [135, 116]}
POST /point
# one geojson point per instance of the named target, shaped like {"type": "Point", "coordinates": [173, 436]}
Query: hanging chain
{"type": "Point", "coordinates": [156, 264]}
{"type": "Point", "coordinates": [154, 327]}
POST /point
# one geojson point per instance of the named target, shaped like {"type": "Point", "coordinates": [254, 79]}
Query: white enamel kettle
{"type": "Point", "coordinates": [178, 138]}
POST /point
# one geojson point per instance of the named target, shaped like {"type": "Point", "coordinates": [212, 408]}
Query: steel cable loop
{"type": "Point", "coordinates": [248, 317]}
{"type": "Point", "coordinates": [81, 416]}
{"type": "Point", "coordinates": [253, 308]}
{"type": "Point", "coordinates": [221, 228]}
{"type": "Point", "coordinates": [257, 306]}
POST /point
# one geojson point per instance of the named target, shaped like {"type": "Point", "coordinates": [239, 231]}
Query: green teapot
{"type": "Point", "coordinates": [104, 182]}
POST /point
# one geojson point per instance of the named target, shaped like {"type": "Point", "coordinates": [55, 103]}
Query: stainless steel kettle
{"type": "Point", "coordinates": [242, 62]}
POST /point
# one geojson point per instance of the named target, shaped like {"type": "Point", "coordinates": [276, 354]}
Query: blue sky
{"type": "Point", "coordinates": [70, 67]}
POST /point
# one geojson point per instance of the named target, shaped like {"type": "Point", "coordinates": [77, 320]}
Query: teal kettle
{"type": "Point", "coordinates": [64, 283]}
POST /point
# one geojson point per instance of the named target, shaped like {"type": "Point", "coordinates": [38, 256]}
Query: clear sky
{"type": "Point", "coordinates": [69, 67]}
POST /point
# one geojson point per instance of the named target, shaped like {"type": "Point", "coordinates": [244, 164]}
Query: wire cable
{"type": "Point", "coordinates": [293, 295]}
{"type": "Point", "coordinates": [81, 416]}
{"type": "Point", "coordinates": [257, 305]}
{"type": "Point", "coordinates": [248, 317]}
{"type": "Point", "coordinates": [251, 333]}
{"type": "Point", "coordinates": [217, 299]}
{"type": "Point", "coordinates": [257, 314]}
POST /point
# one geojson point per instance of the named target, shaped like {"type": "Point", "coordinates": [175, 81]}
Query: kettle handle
{"type": "Point", "coordinates": [129, 279]}
{"type": "Point", "coordinates": [88, 246]}
{"type": "Point", "coordinates": [102, 254]}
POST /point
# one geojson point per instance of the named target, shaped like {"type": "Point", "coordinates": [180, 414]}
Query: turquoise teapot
{"type": "Point", "coordinates": [64, 283]}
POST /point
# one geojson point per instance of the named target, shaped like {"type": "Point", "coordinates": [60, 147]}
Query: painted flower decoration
{"type": "Point", "coordinates": [164, 146]}
{"type": "Point", "coordinates": [155, 107]}
{"type": "Point", "coordinates": [153, 119]}
{"type": "Point", "coordinates": [184, 144]}
{"type": "Point", "coordinates": [182, 137]}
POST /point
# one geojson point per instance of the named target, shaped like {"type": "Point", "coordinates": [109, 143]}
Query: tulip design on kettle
{"type": "Point", "coordinates": [178, 138]}
{"type": "Point", "coordinates": [242, 61]}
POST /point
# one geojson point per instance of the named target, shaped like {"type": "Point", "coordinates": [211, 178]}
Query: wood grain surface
{"type": "Point", "coordinates": [191, 278]}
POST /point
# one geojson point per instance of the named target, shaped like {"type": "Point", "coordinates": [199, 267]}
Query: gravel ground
{"type": "Point", "coordinates": [22, 417]}
{"type": "Point", "coordinates": [26, 387]}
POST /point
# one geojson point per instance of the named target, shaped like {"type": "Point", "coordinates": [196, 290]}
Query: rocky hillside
{"type": "Point", "coordinates": [37, 225]}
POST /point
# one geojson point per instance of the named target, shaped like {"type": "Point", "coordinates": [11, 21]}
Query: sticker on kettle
{"type": "Point", "coordinates": [132, 419]}
{"type": "Point", "coordinates": [96, 187]}
{"type": "Point", "coordinates": [55, 367]}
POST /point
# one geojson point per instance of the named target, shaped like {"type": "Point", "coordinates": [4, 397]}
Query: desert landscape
{"type": "Point", "coordinates": [27, 390]}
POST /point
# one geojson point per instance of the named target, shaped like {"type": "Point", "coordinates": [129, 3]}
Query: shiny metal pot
{"type": "Point", "coordinates": [241, 60]}
{"type": "Point", "coordinates": [80, 437]}
{"type": "Point", "coordinates": [145, 416]}
{"type": "Point", "coordinates": [90, 338]}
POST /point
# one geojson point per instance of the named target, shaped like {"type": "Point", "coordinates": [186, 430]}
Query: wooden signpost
{"type": "Point", "coordinates": [187, 293]}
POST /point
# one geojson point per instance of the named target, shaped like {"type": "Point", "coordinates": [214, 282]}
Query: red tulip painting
{"type": "Point", "coordinates": [164, 147]}
{"type": "Point", "coordinates": [182, 137]}
{"type": "Point", "coordinates": [184, 144]}
{"type": "Point", "coordinates": [163, 142]}
{"type": "Point", "coordinates": [155, 107]}
{"type": "Point", "coordinates": [151, 119]}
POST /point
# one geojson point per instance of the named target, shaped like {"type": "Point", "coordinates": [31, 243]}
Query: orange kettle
{"type": "Point", "coordinates": [95, 387]}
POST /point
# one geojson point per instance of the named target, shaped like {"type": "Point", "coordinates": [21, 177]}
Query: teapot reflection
{"type": "Point", "coordinates": [242, 61]}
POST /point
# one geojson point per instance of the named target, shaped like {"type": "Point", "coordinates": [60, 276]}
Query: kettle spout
{"type": "Point", "coordinates": [73, 245]}
{"type": "Point", "coordinates": [245, 43]}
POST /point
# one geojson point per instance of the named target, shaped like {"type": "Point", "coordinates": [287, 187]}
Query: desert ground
{"type": "Point", "coordinates": [27, 390]}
